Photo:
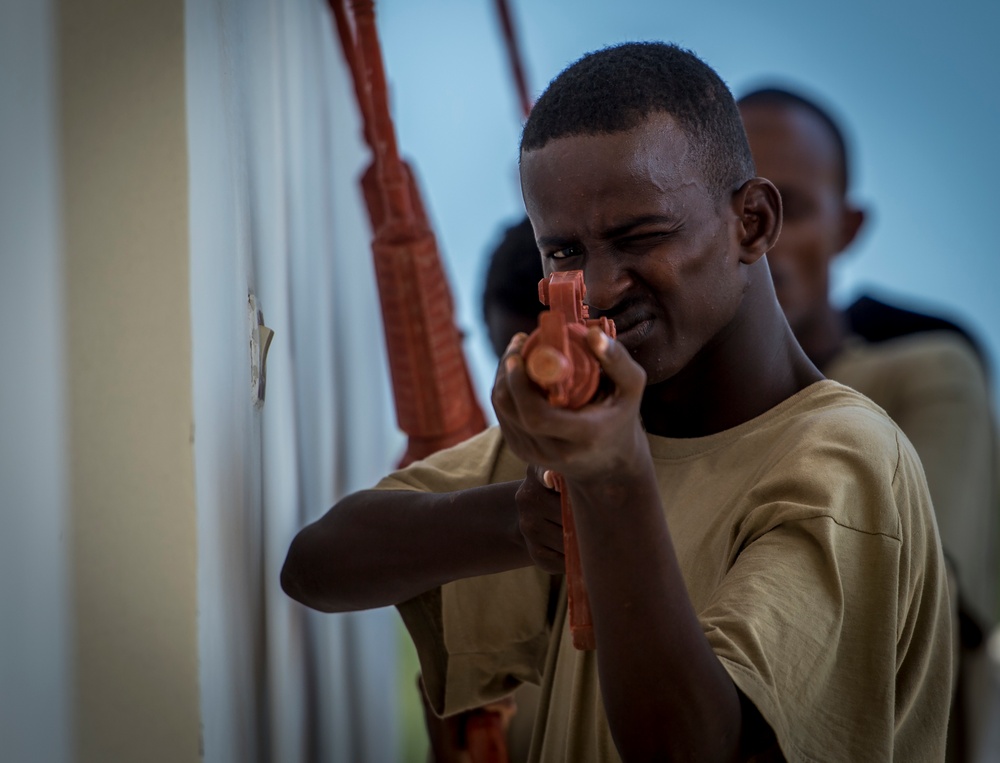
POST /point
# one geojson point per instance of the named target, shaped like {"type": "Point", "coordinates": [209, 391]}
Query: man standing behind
{"type": "Point", "coordinates": [764, 572]}
{"type": "Point", "coordinates": [930, 382]}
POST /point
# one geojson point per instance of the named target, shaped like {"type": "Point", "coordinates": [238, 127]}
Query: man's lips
{"type": "Point", "coordinates": [633, 322]}
{"type": "Point", "coordinates": [631, 332]}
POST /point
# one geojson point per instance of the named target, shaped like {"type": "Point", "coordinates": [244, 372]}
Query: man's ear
{"type": "Point", "coordinates": [850, 224]}
{"type": "Point", "coordinates": [757, 205]}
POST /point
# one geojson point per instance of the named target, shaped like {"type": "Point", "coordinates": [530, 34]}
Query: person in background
{"type": "Point", "coordinates": [510, 289]}
{"type": "Point", "coordinates": [758, 545]}
{"type": "Point", "coordinates": [926, 372]}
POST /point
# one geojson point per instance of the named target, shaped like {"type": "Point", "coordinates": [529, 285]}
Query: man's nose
{"type": "Point", "coordinates": [606, 280]}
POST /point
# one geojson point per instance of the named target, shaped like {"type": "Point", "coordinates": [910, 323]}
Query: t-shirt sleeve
{"type": "Point", "coordinates": [477, 638]}
{"type": "Point", "coordinates": [780, 626]}
{"type": "Point", "coordinates": [834, 615]}
{"type": "Point", "coordinates": [480, 460]}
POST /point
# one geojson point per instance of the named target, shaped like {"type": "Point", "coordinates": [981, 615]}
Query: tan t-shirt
{"type": "Point", "coordinates": [933, 386]}
{"type": "Point", "coordinates": [809, 551]}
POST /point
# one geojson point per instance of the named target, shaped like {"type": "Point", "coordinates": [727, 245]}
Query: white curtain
{"type": "Point", "coordinates": [275, 153]}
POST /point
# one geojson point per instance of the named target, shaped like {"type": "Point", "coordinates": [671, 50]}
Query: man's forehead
{"type": "Point", "coordinates": [655, 150]}
{"type": "Point", "coordinates": [566, 195]}
{"type": "Point", "coordinates": [656, 125]}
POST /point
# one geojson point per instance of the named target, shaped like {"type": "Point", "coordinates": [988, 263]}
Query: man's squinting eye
{"type": "Point", "coordinates": [645, 239]}
{"type": "Point", "coordinates": [654, 233]}
{"type": "Point", "coordinates": [564, 253]}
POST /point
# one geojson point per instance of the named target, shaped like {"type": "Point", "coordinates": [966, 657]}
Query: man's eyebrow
{"type": "Point", "coordinates": [616, 231]}
{"type": "Point", "coordinates": [628, 227]}
{"type": "Point", "coordinates": [556, 242]}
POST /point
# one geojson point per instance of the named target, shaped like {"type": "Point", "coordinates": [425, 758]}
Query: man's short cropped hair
{"type": "Point", "coordinates": [615, 89]}
{"type": "Point", "coordinates": [782, 98]}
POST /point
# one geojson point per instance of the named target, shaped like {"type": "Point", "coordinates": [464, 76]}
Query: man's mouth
{"type": "Point", "coordinates": [633, 332]}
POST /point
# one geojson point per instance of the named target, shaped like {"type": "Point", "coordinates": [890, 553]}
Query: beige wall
{"type": "Point", "coordinates": [129, 371]}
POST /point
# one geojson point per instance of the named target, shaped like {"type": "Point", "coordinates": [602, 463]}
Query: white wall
{"type": "Point", "coordinates": [35, 676]}
{"type": "Point", "coordinates": [101, 655]}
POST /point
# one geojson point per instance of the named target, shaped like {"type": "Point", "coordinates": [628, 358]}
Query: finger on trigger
{"type": "Point", "coordinates": [516, 342]}
{"type": "Point", "coordinates": [512, 356]}
{"type": "Point", "coordinates": [549, 479]}
{"type": "Point", "coordinates": [599, 342]}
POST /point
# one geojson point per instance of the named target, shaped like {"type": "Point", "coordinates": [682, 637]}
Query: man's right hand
{"type": "Point", "coordinates": [540, 520]}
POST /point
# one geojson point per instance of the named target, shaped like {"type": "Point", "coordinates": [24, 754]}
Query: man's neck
{"type": "Point", "coordinates": [824, 336]}
{"type": "Point", "coordinates": [753, 367]}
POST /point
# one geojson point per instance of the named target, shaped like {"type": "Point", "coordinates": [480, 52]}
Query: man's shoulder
{"type": "Point", "coordinates": [926, 361]}
{"type": "Point", "coordinates": [823, 413]}
{"type": "Point", "coordinates": [836, 455]}
{"type": "Point", "coordinates": [878, 321]}
{"type": "Point", "coordinates": [833, 412]}
{"type": "Point", "coordinates": [482, 459]}
{"type": "Point", "coordinates": [927, 347]}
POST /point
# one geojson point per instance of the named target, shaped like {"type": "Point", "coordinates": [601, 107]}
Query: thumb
{"type": "Point", "coordinates": [615, 361]}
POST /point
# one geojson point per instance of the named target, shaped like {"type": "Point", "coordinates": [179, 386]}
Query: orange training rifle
{"type": "Point", "coordinates": [558, 359]}
{"type": "Point", "coordinates": [435, 403]}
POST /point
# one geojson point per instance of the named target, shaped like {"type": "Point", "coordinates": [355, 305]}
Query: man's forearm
{"type": "Point", "coordinates": [666, 694]}
{"type": "Point", "coordinates": [377, 548]}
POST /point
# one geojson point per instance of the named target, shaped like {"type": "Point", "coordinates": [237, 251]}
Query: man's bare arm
{"type": "Point", "coordinates": [380, 547]}
{"type": "Point", "coordinates": [667, 695]}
